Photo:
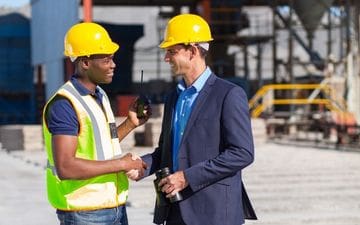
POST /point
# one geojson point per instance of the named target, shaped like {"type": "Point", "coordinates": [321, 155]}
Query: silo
{"type": "Point", "coordinates": [310, 13]}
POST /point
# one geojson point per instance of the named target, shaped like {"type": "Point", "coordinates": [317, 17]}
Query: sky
{"type": "Point", "coordinates": [13, 3]}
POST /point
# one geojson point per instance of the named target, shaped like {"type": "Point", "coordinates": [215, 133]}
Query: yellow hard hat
{"type": "Point", "coordinates": [186, 29]}
{"type": "Point", "coordinates": [85, 39]}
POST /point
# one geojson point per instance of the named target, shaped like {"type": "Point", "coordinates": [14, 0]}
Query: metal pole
{"type": "Point", "coordinates": [246, 62]}
{"type": "Point", "coordinates": [329, 42]}
{"type": "Point", "coordinates": [274, 43]}
{"type": "Point", "coordinates": [357, 74]}
{"type": "Point", "coordinates": [206, 5]}
{"type": "Point", "coordinates": [349, 66]}
{"type": "Point", "coordinates": [347, 27]}
{"type": "Point", "coordinates": [290, 56]}
{"type": "Point", "coordinates": [291, 53]}
{"type": "Point", "coordinates": [259, 65]}
{"type": "Point", "coordinates": [87, 7]}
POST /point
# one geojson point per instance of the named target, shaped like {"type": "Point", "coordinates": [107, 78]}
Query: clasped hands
{"type": "Point", "coordinates": [135, 166]}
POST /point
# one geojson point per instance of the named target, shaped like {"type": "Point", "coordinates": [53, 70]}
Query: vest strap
{"type": "Point", "coordinates": [68, 87]}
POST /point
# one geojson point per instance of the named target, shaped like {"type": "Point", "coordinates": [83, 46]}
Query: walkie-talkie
{"type": "Point", "coordinates": [142, 100]}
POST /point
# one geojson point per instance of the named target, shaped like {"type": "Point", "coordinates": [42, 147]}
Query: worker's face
{"type": "Point", "coordinates": [101, 68]}
{"type": "Point", "coordinates": [179, 57]}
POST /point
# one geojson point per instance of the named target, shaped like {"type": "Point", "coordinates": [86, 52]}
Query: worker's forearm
{"type": "Point", "coordinates": [125, 128]}
{"type": "Point", "coordinates": [85, 169]}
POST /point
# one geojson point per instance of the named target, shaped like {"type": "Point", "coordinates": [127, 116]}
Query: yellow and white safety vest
{"type": "Point", "coordinates": [97, 140]}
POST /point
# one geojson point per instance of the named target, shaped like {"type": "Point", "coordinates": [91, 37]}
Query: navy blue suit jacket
{"type": "Point", "coordinates": [217, 144]}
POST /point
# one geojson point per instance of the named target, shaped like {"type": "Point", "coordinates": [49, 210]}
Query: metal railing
{"type": "Point", "coordinates": [264, 98]}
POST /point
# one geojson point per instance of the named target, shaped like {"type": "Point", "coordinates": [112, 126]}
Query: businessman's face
{"type": "Point", "coordinates": [179, 57]}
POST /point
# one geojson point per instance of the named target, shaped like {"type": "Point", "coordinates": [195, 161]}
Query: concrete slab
{"type": "Point", "coordinates": [288, 186]}
{"type": "Point", "coordinates": [23, 192]}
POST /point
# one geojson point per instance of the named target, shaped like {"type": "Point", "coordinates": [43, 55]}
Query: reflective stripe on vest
{"type": "Point", "coordinates": [100, 155]}
{"type": "Point", "coordinates": [97, 131]}
{"type": "Point", "coordinates": [95, 142]}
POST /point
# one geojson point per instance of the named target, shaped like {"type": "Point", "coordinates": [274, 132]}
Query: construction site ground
{"type": "Point", "coordinates": [288, 185]}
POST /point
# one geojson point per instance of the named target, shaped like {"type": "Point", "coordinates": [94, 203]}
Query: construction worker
{"type": "Point", "coordinates": [86, 182]}
{"type": "Point", "coordinates": [206, 138]}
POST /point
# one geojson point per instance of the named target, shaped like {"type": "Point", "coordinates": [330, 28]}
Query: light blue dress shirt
{"type": "Point", "coordinates": [184, 105]}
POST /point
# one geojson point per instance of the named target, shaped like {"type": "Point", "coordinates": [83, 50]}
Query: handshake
{"type": "Point", "coordinates": [134, 166]}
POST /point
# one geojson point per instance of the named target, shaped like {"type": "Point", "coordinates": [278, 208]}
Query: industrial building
{"type": "Point", "coordinates": [297, 60]}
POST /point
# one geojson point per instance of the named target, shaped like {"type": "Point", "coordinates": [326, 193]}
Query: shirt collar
{"type": "Point", "coordinates": [81, 88]}
{"type": "Point", "coordinates": [198, 84]}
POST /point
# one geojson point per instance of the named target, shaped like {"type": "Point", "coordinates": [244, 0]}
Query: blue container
{"type": "Point", "coordinates": [17, 100]}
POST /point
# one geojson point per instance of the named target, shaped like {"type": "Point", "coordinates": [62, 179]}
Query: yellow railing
{"type": "Point", "coordinates": [257, 107]}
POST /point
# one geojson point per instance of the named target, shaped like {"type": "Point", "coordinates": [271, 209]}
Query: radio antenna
{"type": "Point", "coordinates": [141, 81]}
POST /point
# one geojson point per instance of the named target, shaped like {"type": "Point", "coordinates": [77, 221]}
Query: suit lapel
{"type": "Point", "coordinates": [200, 100]}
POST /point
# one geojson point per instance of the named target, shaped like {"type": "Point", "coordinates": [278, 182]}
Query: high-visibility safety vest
{"type": "Point", "coordinates": [97, 140]}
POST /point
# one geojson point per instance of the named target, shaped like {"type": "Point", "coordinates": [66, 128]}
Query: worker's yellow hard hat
{"type": "Point", "coordinates": [85, 39]}
{"type": "Point", "coordinates": [186, 29]}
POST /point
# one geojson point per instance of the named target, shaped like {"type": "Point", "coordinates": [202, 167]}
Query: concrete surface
{"type": "Point", "coordinates": [288, 186]}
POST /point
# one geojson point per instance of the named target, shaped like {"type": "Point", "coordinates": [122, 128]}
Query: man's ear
{"type": "Point", "coordinates": [84, 63]}
{"type": "Point", "coordinates": [194, 51]}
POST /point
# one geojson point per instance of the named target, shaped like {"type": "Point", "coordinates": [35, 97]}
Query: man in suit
{"type": "Point", "coordinates": [206, 138]}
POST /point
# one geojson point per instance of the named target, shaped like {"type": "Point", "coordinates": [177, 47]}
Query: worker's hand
{"type": "Point", "coordinates": [135, 156]}
{"type": "Point", "coordinates": [173, 183]}
{"type": "Point", "coordinates": [135, 174]}
{"type": "Point", "coordinates": [132, 114]}
{"type": "Point", "coordinates": [128, 163]}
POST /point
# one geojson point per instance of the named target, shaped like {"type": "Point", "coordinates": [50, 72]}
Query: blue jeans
{"type": "Point", "coordinates": [112, 216]}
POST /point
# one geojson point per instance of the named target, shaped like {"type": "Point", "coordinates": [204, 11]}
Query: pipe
{"type": "Point", "coordinates": [87, 7]}
{"type": "Point", "coordinates": [206, 13]}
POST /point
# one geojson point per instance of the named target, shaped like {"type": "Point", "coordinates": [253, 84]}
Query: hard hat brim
{"type": "Point", "coordinates": [166, 44]}
{"type": "Point", "coordinates": [110, 49]}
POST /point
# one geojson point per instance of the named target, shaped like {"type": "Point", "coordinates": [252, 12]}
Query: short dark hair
{"type": "Point", "coordinates": [203, 52]}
